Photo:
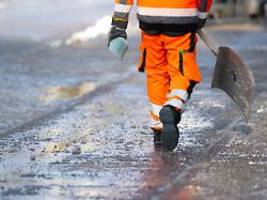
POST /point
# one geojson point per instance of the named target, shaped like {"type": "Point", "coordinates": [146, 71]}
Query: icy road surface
{"type": "Point", "coordinates": [74, 123]}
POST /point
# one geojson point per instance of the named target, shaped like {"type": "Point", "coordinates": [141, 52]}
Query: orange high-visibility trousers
{"type": "Point", "coordinates": [172, 71]}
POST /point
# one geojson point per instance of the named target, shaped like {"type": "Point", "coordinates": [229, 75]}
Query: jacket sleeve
{"type": "Point", "coordinates": [203, 8]}
{"type": "Point", "coordinates": [121, 13]}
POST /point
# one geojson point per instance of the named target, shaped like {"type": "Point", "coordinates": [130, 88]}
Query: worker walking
{"type": "Point", "coordinates": [168, 56]}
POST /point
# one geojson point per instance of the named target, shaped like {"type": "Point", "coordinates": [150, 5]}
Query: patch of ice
{"type": "Point", "coordinates": [262, 110]}
{"type": "Point", "coordinates": [68, 92]}
{"type": "Point", "coordinates": [212, 104]}
{"type": "Point", "coordinates": [195, 121]}
{"type": "Point", "coordinates": [191, 125]}
{"type": "Point", "coordinates": [55, 43]}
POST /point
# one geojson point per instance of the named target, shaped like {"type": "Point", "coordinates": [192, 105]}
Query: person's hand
{"type": "Point", "coordinates": [115, 33]}
{"type": "Point", "coordinates": [201, 23]}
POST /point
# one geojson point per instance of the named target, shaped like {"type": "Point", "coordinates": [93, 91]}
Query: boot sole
{"type": "Point", "coordinates": [169, 137]}
{"type": "Point", "coordinates": [157, 136]}
{"type": "Point", "coordinates": [170, 132]}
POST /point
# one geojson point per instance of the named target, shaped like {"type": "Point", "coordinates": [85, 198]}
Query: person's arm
{"type": "Point", "coordinates": [121, 13]}
{"type": "Point", "coordinates": [203, 10]}
{"type": "Point", "coordinates": [120, 19]}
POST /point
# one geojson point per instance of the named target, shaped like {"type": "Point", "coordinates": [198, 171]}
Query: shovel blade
{"type": "Point", "coordinates": [234, 77]}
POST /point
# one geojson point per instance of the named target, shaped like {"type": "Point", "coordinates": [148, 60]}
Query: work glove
{"type": "Point", "coordinates": [201, 23]}
{"type": "Point", "coordinates": [115, 33]}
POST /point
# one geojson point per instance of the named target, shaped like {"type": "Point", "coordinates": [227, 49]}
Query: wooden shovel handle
{"type": "Point", "coordinates": [206, 40]}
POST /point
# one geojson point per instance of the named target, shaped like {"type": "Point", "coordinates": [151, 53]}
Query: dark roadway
{"type": "Point", "coordinates": [56, 101]}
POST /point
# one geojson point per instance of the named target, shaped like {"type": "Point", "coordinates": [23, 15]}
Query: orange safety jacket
{"type": "Point", "coordinates": [162, 15]}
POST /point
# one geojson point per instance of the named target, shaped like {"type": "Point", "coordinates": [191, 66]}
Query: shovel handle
{"type": "Point", "coordinates": [206, 40]}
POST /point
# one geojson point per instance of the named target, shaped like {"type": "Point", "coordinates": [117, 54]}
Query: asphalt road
{"type": "Point", "coordinates": [74, 125]}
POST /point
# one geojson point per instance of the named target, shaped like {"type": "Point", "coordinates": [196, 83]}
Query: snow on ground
{"type": "Point", "coordinates": [100, 28]}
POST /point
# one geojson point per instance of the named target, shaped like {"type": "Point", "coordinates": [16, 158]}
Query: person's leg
{"type": "Point", "coordinates": [184, 74]}
{"type": "Point", "coordinates": [182, 68]}
{"type": "Point", "coordinates": [154, 62]}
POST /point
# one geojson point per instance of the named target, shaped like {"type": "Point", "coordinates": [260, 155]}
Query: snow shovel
{"type": "Point", "coordinates": [232, 75]}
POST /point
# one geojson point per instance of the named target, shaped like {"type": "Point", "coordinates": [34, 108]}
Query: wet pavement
{"type": "Point", "coordinates": [74, 125]}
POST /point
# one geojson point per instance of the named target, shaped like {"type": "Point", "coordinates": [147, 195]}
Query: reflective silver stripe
{"type": "Point", "coordinates": [121, 8]}
{"type": "Point", "coordinates": [167, 12]}
{"type": "Point", "coordinates": [156, 124]}
{"type": "Point", "coordinates": [182, 94]}
{"type": "Point", "coordinates": [202, 15]}
{"type": "Point", "coordinates": [155, 109]}
{"type": "Point", "coordinates": [177, 103]}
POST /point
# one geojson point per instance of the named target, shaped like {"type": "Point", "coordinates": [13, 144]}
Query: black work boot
{"type": "Point", "coordinates": [170, 118]}
{"type": "Point", "coordinates": [157, 137]}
